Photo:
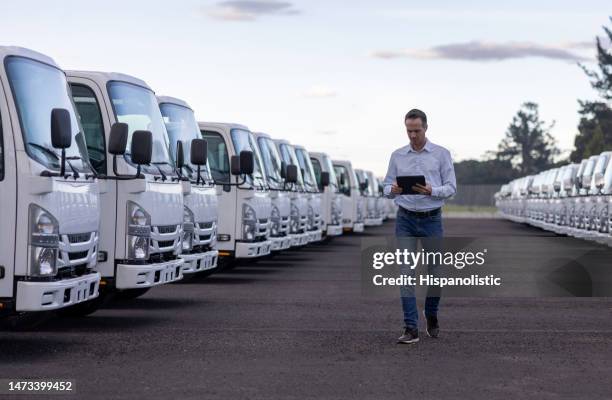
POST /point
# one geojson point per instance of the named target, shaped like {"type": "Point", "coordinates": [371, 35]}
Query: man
{"type": "Point", "coordinates": [420, 215]}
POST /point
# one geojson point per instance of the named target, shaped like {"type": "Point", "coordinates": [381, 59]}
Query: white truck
{"type": "Point", "coordinates": [298, 221]}
{"type": "Point", "coordinates": [245, 207]}
{"type": "Point", "coordinates": [353, 204]}
{"type": "Point", "coordinates": [332, 198]}
{"type": "Point", "coordinates": [315, 197]}
{"type": "Point", "coordinates": [375, 190]}
{"type": "Point", "coordinates": [141, 196]}
{"type": "Point", "coordinates": [48, 194]}
{"type": "Point", "coordinates": [370, 199]}
{"type": "Point", "coordinates": [199, 194]}
{"type": "Point", "coordinates": [276, 176]}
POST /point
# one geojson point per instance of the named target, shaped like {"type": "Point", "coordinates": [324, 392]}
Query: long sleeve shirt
{"type": "Point", "coordinates": [435, 163]}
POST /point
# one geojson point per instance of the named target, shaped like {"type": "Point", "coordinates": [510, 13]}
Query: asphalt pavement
{"type": "Point", "coordinates": [297, 326]}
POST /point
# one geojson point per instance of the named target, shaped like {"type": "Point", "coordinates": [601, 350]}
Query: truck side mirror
{"type": "Point", "coordinates": [342, 179]}
{"type": "Point", "coordinates": [291, 175]}
{"type": "Point", "coordinates": [199, 152]}
{"type": "Point", "coordinates": [199, 156]}
{"type": "Point", "coordinates": [247, 162]}
{"type": "Point", "coordinates": [180, 156]}
{"type": "Point", "coordinates": [117, 139]}
{"type": "Point", "coordinates": [302, 171]}
{"type": "Point", "coordinates": [61, 134]}
{"type": "Point", "coordinates": [283, 170]}
{"type": "Point", "coordinates": [324, 178]}
{"type": "Point", "coordinates": [235, 165]}
{"type": "Point", "coordinates": [363, 185]}
{"type": "Point", "coordinates": [141, 150]}
{"type": "Point", "coordinates": [61, 128]}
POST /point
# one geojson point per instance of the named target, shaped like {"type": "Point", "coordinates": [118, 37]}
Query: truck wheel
{"type": "Point", "coordinates": [130, 294]}
{"type": "Point", "coordinates": [25, 321]}
{"type": "Point", "coordinates": [226, 263]}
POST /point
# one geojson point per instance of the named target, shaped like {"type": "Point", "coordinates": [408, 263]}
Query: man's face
{"type": "Point", "coordinates": [416, 132]}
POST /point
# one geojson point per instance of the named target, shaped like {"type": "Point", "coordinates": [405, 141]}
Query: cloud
{"type": "Point", "coordinates": [249, 10]}
{"type": "Point", "coordinates": [327, 133]}
{"type": "Point", "coordinates": [487, 51]}
{"type": "Point", "coordinates": [320, 92]}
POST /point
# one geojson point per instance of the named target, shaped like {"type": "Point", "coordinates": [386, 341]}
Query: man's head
{"type": "Point", "coordinates": [416, 126]}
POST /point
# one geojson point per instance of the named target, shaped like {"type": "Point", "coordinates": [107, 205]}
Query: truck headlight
{"type": "Point", "coordinates": [311, 221]}
{"type": "Point", "coordinates": [275, 221]}
{"type": "Point", "coordinates": [43, 242]}
{"type": "Point", "coordinates": [294, 219]}
{"type": "Point", "coordinates": [249, 222]}
{"type": "Point", "coordinates": [138, 232]}
{"type": "Point", "coordinates": [188, 229]}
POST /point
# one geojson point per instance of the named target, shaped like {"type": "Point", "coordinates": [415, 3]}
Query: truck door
{"type": "Point", "coordinates": [8, 198]}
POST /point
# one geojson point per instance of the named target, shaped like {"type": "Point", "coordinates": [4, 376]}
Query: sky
{"type": "Point", "coordinates": [337, 76]}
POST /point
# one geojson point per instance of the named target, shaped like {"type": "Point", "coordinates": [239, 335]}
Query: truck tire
{"type": "Point", "coordinates": [27, 321]}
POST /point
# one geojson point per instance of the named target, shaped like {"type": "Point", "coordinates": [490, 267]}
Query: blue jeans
{"type": "Point", "coordinates": [412, 227]}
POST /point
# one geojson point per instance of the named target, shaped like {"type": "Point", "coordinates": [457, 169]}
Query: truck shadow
{"type": "Point", "coordinates": [100, 323]}
{"type": "Point", "coordinates": [17, 350]}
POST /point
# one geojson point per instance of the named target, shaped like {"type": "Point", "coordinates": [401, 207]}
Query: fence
{"type": "Point", "coordinates": [474, 195]}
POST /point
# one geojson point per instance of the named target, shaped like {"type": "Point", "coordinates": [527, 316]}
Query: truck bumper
{"type": "Point", "coordinates": [252, 249]}
{"type": "Point", "coordinates": [315, 236]}
{"type": "Point", "coordinates": [299, 239]}
{"type": "Point", "coordinates": [334, 230]}
{"type": "Point", "coordinates": [280, 243]}
{"type": "Point", "coordinates": [200, 261]}
{"type": "Point", "coordinates": [373, 221]}
{"type": "Point", "coordinates": [44, 296]}
{"type": "Point", "coordinates": [358, 227]}
{"type": "Point", "coordinates": [131, 276]}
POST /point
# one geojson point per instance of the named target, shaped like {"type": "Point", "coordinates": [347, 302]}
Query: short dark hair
{"type": "Point", "coordinates": [416, 113]}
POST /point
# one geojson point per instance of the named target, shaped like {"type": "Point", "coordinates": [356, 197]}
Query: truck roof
{"type": "Point", "coordinates": [227, 125]}
{"type": "Point", "coordinates": [104, 77]}
{"type": "Point", "coordinates": [6, 51]}
{"type": "Point", "coordinates": [261, 134]}
{"type": "Point", "coordinates": [318, 154]}
{"type": "Point", "coordinates": [173, 100]}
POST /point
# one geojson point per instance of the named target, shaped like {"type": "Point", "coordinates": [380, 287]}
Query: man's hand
{"type": "Point", "coordinates": [422, 189]}
{"type": "Point", "coordinates": [395, 189]}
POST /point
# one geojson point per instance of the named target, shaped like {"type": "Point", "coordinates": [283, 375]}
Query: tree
{"type": "Point", "coordinates": [490, 171]}
{"type": "Point", "coordinates": [602, 80]}
{"type": "Point", "coordinates": [594, 130]}
{"type": "Point", "coordinates": [528, 144]}
{"type": "Point", "coordinates": [595, 127]}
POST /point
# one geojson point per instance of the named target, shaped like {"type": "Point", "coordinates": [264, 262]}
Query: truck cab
{"type": "Point", "coordinates": [370, 200]}
{"type": "Point", "coordinates": [314, 195]}
{"type": "Point", "coordinates": [582, 200]}
{"type": "Point", "coordinates": [332, 198]}
{"type": "Point", "coordinates": [375, 190]}
{"type": "Point", "coordinates": [276, 176]}
{"type": "Point", "coordinates": [49, 195]}
{"type": "Point", "coordinates": [353, 204]}
{"type": "Point", "coordinates": [598, 199]}
{"type": "Point", "coordinates": [189, 154]}
{"type": "Point", "coordinates": [141, 196]}
{"type": "Point", "coordinates": [298, 226]}
{"type": "Point", "coordinates": [245, 207]}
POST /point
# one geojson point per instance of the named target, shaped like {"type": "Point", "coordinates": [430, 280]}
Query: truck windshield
{"type": "Point", "coordinates": [288, 154]}
{"type": "Point", "coordinates": [181, 125]}
{"type": "Point", "coordinates": [333, 180]}
{"type": "Point", "coordinates": [137, 107]}
{"type": "Point", "coordinates": [271, 160]}
{"type": "Point", "coordinates": [38, 88]}
{"type": "Point", "coordinates": [306, 165]}
{"type": "Point", "coordinates": [244, 140]}
{"type": "Point", "coordinates": [373, 183]}
{"type": "Point", "coordinates": [342, 173]}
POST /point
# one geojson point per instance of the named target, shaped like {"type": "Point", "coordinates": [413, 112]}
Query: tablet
{"type": "Point", "coordinates": [407, 182]}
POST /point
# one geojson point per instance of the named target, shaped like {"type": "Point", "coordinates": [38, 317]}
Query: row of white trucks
{"type": "Point", "coordinates": [108, 190]}
{"type": "Point", "coordinates": [571, 200]}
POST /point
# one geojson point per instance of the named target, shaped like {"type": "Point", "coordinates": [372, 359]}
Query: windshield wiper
{"type": "Point", "coordinates": [157, 164]}
{"type": "Point", "coordinates": [44, 149]}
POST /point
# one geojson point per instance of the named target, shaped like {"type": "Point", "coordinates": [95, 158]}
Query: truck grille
{"type": "Point", "coordinates": [166, 229]}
